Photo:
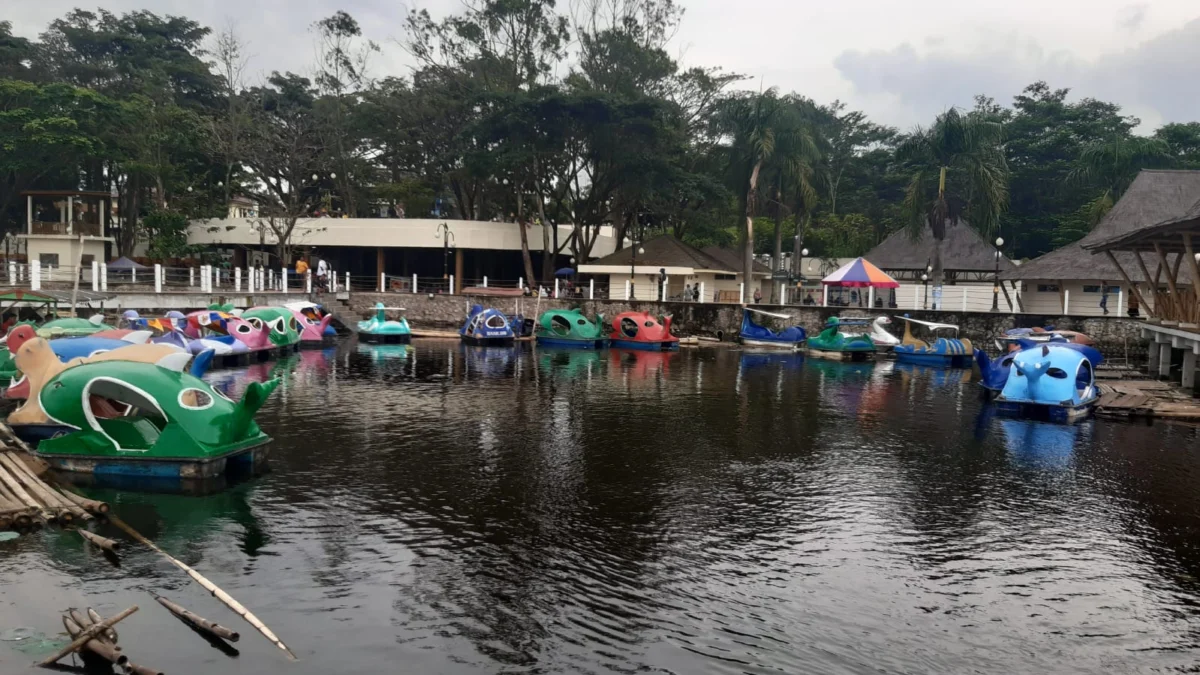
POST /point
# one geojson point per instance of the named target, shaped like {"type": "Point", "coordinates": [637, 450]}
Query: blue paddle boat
{"type": "Point", "coordinates": [1051, 381]}
{"type": "Point", "coordinates": [995, 371]}
{"type": "Point", "coordinates": [487, 327]}
{"type": "Point", "coordinates": [754, 334]}
{"type": "Point", "coordinates": [946, 352]}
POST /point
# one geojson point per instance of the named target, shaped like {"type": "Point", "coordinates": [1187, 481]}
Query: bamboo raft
{"type": "Point", "coordinates": [1148, 399]}
{"type": "Point", "coordinates": [28, 501]}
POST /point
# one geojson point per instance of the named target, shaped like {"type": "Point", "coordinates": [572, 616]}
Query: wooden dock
{"type": "Point", "coordinates": [1150, 399]}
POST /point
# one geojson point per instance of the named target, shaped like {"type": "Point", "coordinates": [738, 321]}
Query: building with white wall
{"type": "Point", "coordinates": [63, 227]}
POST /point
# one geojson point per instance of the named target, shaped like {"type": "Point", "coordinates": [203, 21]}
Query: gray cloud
{"type": "Point", "coordinates": [1154, 80]}
{"type": "Point", "coordinates": [1131, 18]}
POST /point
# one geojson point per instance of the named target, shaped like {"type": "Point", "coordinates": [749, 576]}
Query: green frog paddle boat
{"type": "Point", "coordinates": [380, 329]}
{"type": "Point", "coordinates": [72, 327]}
{"type": "Point", "coordinates": [279, 322]}
{"type": "Point", "coordinates": [142, 419]}
{"type": "Point", "coordinates": [570, 328]}
{"type": "Point", "coordinates": [842, 339]}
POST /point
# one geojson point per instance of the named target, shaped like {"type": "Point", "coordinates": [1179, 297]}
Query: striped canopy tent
{"type": "Point", "coordinates": [860, 273]}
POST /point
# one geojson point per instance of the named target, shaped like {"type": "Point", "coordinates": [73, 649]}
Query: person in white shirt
{"type": "Point", "coordinates": [322, 274]}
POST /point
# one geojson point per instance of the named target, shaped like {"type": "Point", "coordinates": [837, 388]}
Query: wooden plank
{"type": "Point", "coordinates": [1132, 287]}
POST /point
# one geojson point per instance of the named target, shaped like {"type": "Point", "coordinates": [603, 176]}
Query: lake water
{"type": "Point", "coordinates": [440, 509]}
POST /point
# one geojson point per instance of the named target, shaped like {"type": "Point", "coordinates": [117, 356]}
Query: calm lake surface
{"type": "Point", "coordinates": [440, 509]}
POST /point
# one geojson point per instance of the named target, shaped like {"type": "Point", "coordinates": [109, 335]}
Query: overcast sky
{"type": "Point", "coordinates": [902, 61]}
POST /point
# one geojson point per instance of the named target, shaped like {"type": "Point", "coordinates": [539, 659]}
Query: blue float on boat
{"type": "Point", "coordinates": [754, 334]}
{"type": "Point", "coordinates": [487, 327]}
{"type": "Point", "coordinates": [947, 352]}
{"type": "Point", "coordinates": [1051, 381]}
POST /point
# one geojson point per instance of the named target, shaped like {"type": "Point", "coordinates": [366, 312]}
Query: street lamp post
{"type": "Point", "coordinates": [636, 249]}
{"type": "Point", "coordinates": [996, 277]}
{"type": "Point", "coordinates": [925, 283]}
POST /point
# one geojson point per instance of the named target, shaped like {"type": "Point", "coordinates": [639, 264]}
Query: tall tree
{"type": "Point", "coordinates": [1109, 166]}
{"type": "Point", "coordinates": [958, 172]}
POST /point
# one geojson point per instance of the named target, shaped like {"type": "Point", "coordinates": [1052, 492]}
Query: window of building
{"type": "Point", "coordinates": [1112, 290]}
{"type": "Point", "coordinates": [1047, 288]}
{"type": "Point", "coordinates": [88, 259]}
{"type": "Point", "coordinates": [48, 259]}
{"type": "Point", "coordinates": [725, 277]}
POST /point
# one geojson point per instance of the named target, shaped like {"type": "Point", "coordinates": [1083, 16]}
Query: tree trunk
{"type": "Point", "coordinates": [798, 244]}
{"type": "Point", "coordinates": [937, 273]}
{"type": "Point", "coordinates": [522, 226]}
{"type": "Point", "coordinates": [748, 233]}
{"type": "Point", "coordinates": [777, 254]}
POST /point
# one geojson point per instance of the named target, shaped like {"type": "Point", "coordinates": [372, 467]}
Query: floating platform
{"type": "Point", "coordinates": [1146, 399]}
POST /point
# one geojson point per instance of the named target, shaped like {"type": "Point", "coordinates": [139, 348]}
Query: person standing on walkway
{"type": "Point", "coordinates": [322, 274]}
{"type": "Point", "coordinates": [757, 295]}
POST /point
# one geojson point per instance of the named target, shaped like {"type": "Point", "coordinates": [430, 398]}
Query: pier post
{"type": "Point", "coordinates": [627, 290]}
{"type": "Point", "coordinates": [271, 279]}
{"type": "Point", "coordinates": [348, 282]}
{"type": "Point", "coordinates": [191, 277]}
{"type": "Point", "coordinates": [1066, 301]}
{"type": "Point", "coordinates": [485, 281]}
{"type": "Point", "coordinates": [521, 283]}
{"type": "Point", "coordinates": [35, 275]}
{"type": "Point", "coordinates": [591, 289]}
{"type": "Point", "coordinates": [825, 296]}
{"type": "Point", "coordinates": [132, 275]}
{"type": "Point", "coordinates": [1164, 359]}
{"type": "Point", "coordinates": [12, 273]}
{"type": "Point", "coordinates": [283, 279]}
{"type": "Point", "coordinates": [216, 277]}
{"type": "Point", "coordinates": [308, 281]}
{"type": "Point", "coordinates": [104, 277]}
{"type": "Point", "coordinates": [451, 284]}
{"type": "Point", "coordinates": [556, 287]}
{"type": "Point", "coordinates": [414, 286]}
{"type": "Point", "coordinates": [1120, 300]}
{"type": "Point", "coordinates": [237, 279]}
{"type": "Point", "coordinates": [702, 291]}
{"type": "Point", "coordinates": [1188, 380]}
{"type": "Point", "coordinates": [158, 277]}
{"type": "Point", "coordinates": [95, 275]}
{"type": "Point", "coordinates": [871, 297]}
{"type": "Point", "coordinates": [742, 293]}
{"type": "Point", "coordinates": [382, 282]}
{"type": "Point", "coordinates": [916, 298]}
{"type": "Point", "coordinates": [662, 291]}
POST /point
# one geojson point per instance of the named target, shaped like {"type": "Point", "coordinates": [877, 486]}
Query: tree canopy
{"type": "Point", "coordinates": [545, 114]}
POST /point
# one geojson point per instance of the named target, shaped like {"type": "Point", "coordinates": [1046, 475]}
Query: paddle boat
{"type": "Point", "coordinates": [143, 419]}
{"type": "Point", "coordinates": [316, 329]}
{"type": "Point", "coordinates": [1013, 336]}
{"type": "Point", "coordinates": [486, 327]}
{"type": "Point", "coordinates": [380, 329]}
{"type": "Point", "coordinates": [946, 352]}
{"type": "Point", "coordinates": [641, 330]}
{"type": "Point", "coordinates": [994, 372]}
{"type": "Point", "coordinates": [1050, 381]}
{"type": "Point", "coordinates": [883, 339]}
{"type": "Point", "coordinates": [754, 334]}
{"type": "Point", "coordinates": [842, 339]}
{"type": "Point", "coordinates": [280, 323]}
{"type": "Point", "coordinates": [232, 338]}
{"type": "Point", "coordinates": [569, 328]}
{"type": "Point", "coordinates": [72, 327]}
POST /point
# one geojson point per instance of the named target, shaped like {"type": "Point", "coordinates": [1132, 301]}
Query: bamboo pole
{"type": "Point", "coordinates": [214, 629]}
{"type": "Point", "coordinates": [1125, 277]}
{"type": "Point", "coordinates": [1194, 266]}
{"type": "Point", "coordinates": [102, 542]}
{"type": "Point", "coordinates": [132, 668]}
{"type": "Point", "coordinates": [94, 617]}
{"type": "Point", "coordinates": [210, 587]}
{"type": "Point", "coordinates": [24, 497]}
{"type": "Point", "coordinates": [104, 650]}
{"type": "Point", "coordinates": [88, 634]}
{"type": "Point", "coordinates": [39, 489]}
{"type": "Point", "coordinates": [55, 498]}
{"type": "Point", "coordinates": [91, 505]}
{"type": "Point", "coordinates": [7, 435]}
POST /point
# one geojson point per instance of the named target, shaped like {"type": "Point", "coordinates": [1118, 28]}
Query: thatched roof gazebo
{"type": "Point", "coordinates": [1154, 199]}
{"type": "Point", "coordinates": [966, 255]}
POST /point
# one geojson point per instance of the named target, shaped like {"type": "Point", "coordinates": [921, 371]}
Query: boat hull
{"type": "Point", "coordinates": [385, 338]}
{"type": "Point", "coordinates": [597, 343]}
{"type": "Point", "coordinates": [477, 341]}
{"type": "Point", "coordinates": [325, 342]}
{"type": "Point", "coordinates": [1046, 411]}
{"type": "Point", "coordinates": [785, 345]}
{"type": "Point", "coordinates": [646, 346]}
{"type": "Point", "coordinates": [242, 459]}
{"type": "Point", "coordinates": [936, 360]}
{"type": "Point", "coordinates": [847, 355]}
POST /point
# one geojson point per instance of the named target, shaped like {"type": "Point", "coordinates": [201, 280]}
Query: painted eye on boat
{"type": "Point", "coordinates": [292, 324]}
{"type": "Point", "coordinates": [1058, 373]}
{"type": "Point", "coordinates": [242, 328]}
{"type": "Point", "coordinates": [195, 399]}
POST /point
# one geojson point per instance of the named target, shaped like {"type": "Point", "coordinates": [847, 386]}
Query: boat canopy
{"type": "Point", "coordinates": [930, 324]}
{"type": "Point", "coordinates": [777, 316]}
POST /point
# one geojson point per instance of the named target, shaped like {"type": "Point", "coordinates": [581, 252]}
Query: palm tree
{"type": "Point", "coordinates": [760, 128]}
{"type": "Point", "coordinates": [958, 173]}
{"type": "Point", "coordinates": [1112, 165]}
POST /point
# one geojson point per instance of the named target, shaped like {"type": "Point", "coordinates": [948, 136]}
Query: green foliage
{"type": "Point", "coordinates": [166, 234]}
{"type": "Point", "coordinates": [842, 236]}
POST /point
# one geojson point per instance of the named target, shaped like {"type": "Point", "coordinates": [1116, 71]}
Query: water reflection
{"type": "Point", "coordinates": [705, 511]}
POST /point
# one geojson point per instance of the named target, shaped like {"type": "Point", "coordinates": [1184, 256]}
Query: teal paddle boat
{"type": "Point", "coordinates": [842, 339]}
{"type": "Point", "coordinates": [379, 329]}
{"type": "Point", "coordinates": [570, 328]}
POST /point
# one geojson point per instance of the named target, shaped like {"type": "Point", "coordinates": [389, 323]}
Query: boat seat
{"type": "Point", "coordinates": [131, 433]}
